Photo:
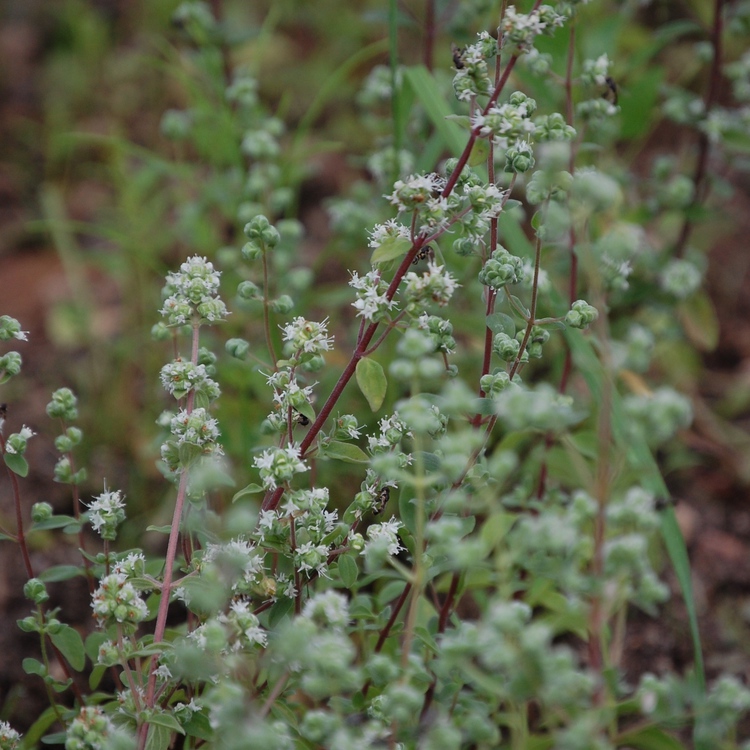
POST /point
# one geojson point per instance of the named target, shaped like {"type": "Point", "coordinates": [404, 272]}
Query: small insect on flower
{"type": "Point", "coordinates": [611, 93]}
{"type": "Point", "coordinates": [301, 419]}
{"type": "Point", "coordinates": [3, 415]}
{"type": "Point", "coordinates": [457, 53]}
{"type": "Point", "coordinates": [381, 500]}
{"type": "Point", "coordinates": [424, 252]}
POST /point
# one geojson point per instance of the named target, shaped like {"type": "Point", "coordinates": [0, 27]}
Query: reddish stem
{"type": "Point", "coordinates": [701, 166]}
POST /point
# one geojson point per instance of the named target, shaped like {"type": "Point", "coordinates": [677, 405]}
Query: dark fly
{"type": "Point", "coordinates": [457, 57]}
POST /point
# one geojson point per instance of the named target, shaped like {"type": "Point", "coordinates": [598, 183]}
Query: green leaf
{"type": "Point", "coordinates": [160, 529]}
{"type": "Point", "coordinates": [34, 733]}
{"type": "Point", "coordinates": [698, 317]}
{"type": "Point", "coordinates": [58, 738]}
{"type": "Point", "coordinates": [53, 522]}
{"type": "Point", "coordinates": [60, 573]}
{"type": "Point", "coordinates": [279, 611]}
{"type": "Point", "coordinates": [34, 666]}
{"type": "Point", "coordinates": [638, 101]}
{"type": "Point", "coordinates": [348, 570]}
{"type": "Point", "coordinates": [649, 738]}
{"type": "Point", "coordinates": [199, 726]}
{"type": "Point", "coordinates": [371, 381]}
{"type": "Point", "coordinates": [69, 642]}
{"type": "Point", "coordinates": [407, 509]}
{"type": "Point", "coordinates": [16, 463]}
{"type": "Point", "coordinates": [520, 306]}
{"type": "Point", "coordinates": [479, 152]}
{"type": "Point", "coordinates": [496, 527]}
{"type": "Point", "coordinates": [306, 410]}
{"type": "Point", "coordinates": [347, 452]}
{"type": "Point", "coordinates": [393, 247]}
{"type": "Point", "coordinates": [430, 462]}
{"type": "Point", "coordinates": [432, 100]}
{"type": "Point", "coordinates": [501, 323]}
{"type": "Point", "coordinates": [96, 676]}
{"type": "Point", "coordinates": [251, 489]}
{"type": "Point", "coordinates": [463, 120]}
{"type": "Point", "coordinates": [159, 737]}
{"type": "Point", "coordinates": [166, 720]}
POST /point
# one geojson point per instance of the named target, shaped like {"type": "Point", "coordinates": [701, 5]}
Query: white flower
{"type": "Point", "coordinates": [390, 229]}
{"type": "Point", "coordinates": [279, 465]}
{"type": "Point", "coordinates": [372, 303]}
{"type": "Point", "coordinates": [433, 285]}
{"type": "Point", "coordinates": [328, 608]}
{"type": "Point", "coordinates": [307, 336]}
{"type": "Point", "coordinates": [384, 534]}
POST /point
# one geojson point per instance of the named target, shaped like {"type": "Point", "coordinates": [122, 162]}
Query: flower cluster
{"type": "Point", "coordinates": [193, 434]}
{"type": "Point", "coordinates": [389, 230]}
{"type": "Point", "coordinates": [382, 539]}
{"type": "Point", "coordinates": [509, 122]}
{"type": "Point", "coordinates": [92, 729]}
{"type": "Point", "coordinates": [434, 285]}
{"type": "Point", "coordinates": [16, 443]}
{"type": "Point", "coordinates": [116, 599]}
{"type": "Point", "coordinates": [501, 269]}
{"type": "Point", "coordinates": [439, 330]}
{"type": "Point", "coordinates": [10, 328]}
{"type": "Point", "coordinates": [472, 75]}
{"type": "Point", "coordinates": [306, 339]}
{"type": "Point", "coordinates": [279, 465]}
{"type": "Point", "coordinates": [288, 395]}
{"type": "Point", "coordinates": [596, 71]}
{"type": "Point", "coordinates": [180, 377]}
{"type": "Point", "coordinates": [416, 192]}
{"type": "Point", "coordinates": [9, 738]}
{"type": "Point", "coordinates": [581, 314]}
{"type": "Point", "coordinates": [371, 303]}
{"type": "Point", "coordinates": [520, 29]}
{"type": "Point", "coordinates": [244, 627]}
{"type": "Point", "coordinates": [106, 513]}
{"type": "Point", "coordinates": [192, 294]}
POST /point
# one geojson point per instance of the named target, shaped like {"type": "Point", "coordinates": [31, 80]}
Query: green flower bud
{"type": "Point", "coordinates": [160, 332]}
{"type": "Point", "coordinates": [41, 512]}
{"type": "Point", "coordinates": [283, 304]}
{"type": "Point", "coordinates": [35, 590]}
{"type": "Point", "coordinates": [10, 328]}
{"type": "Point", "coordinates": [248, 290]}
{"type": "Point", "coordinates": [237, 348]}
{"type": "Point", "coordinates": [581, 314]}
{"type": "Point", "coordinates": [260, 231]}
{"type": "Point", "coordinates": [63, 405]}
{"type": "Point", "coordinates": [505, 347]}
{"type": "Point", "coordinates": [10, 365]}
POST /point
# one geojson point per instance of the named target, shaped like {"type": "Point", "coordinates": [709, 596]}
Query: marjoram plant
{"type": "Point", "coordinates": [467, 583]}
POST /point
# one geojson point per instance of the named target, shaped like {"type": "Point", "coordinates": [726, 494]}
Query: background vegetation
{"type": "Point", "coordinates": [102, 197]}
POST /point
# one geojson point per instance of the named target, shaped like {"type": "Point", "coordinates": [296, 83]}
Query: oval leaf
{"type": "Point", "coordinates": [251, 489]}
{"type": "Point", "coordinates": [159, 737]}
{"type": "Point", "coordinates": [53, 522]}
{"type": "Point", "coordinates": [33, 666]}
{"type": "Point", "coordinates": [60, 573]}
{"type": "Point", "coordinates": [372, 382]}
{"type": "Point", "coordinates": [348, 570]}
{"type": "Point", "coordinates": [70, 644]}
{"type": "Point", "coordinates": [352, 454]}
{"type": "Point", "coordinates": [393, 247]}
{"type": "Point", "coordinates": [16, 463]}
{"type": "Point", "coordinates": [501, 323]}
{"type": "Point", "coordinates": [479, 152]}
{"type": "Point", "coordinates": [698, 316]}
